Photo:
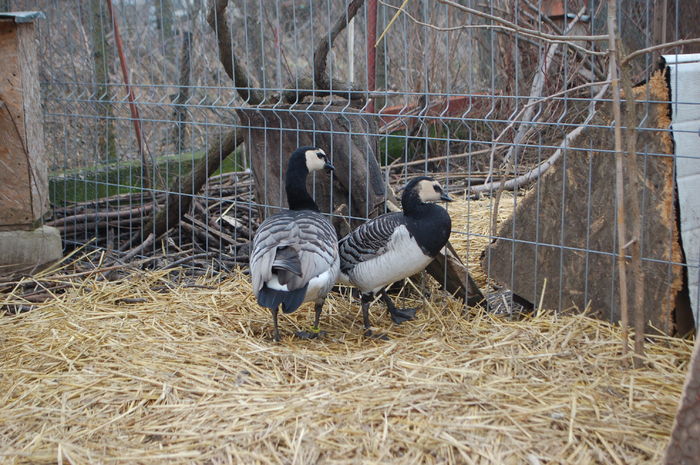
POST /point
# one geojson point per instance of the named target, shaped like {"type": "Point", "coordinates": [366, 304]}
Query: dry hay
{"type": "Point", "coordinates": [146, 370]}
{"type": "Point", "coordinates": [471, 229]}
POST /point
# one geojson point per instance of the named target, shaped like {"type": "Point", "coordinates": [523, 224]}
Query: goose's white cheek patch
{"type": "Point", "coordinates": [313, 162]}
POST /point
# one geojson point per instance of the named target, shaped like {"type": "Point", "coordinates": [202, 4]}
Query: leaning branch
{"type": "Point", "coordinates": [326, 42]}
{"type": "Point", "coordinates": [655, 48]}
{"type": "Point", "coordinates": [532, 175]}
{"type": "Point", "coordinates": [135, 117]}
{"type": "Point", "coordinates": [536, 89]}
{"type": "Point", "coordinates": [523, 30]}
{"type": "Point", "coordinates": [242, 80]}
{"type": "Point", "coordinates": [619, 177]}
{"type": "Point", "coordinates": [632, 184]}
{"type": "Point", "coordinates": [185, 187]}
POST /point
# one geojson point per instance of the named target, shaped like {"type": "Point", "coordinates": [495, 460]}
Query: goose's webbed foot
{"type": "Point", "coordinates": [398, 315]}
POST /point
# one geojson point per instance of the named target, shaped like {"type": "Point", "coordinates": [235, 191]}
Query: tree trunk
{"type": "Point", "coordinates": [164, 23]}
{"type": "Point", "coordinates": [180, 112]}
{"type": "Point", "coordinates": [103, 57]}
{"type": "Point", "coordinates": [276, 133]}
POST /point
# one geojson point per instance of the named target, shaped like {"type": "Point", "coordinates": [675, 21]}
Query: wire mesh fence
{"type": "Point", "coordinates": [167, 123]}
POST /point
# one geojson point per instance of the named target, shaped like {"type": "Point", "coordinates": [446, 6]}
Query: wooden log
{"type": "Point", "coordinates": [345, 136]}
{"type": "Point", "coordinates": [453, 275]}
{"type": "Point", "coordinates": [563, 231]}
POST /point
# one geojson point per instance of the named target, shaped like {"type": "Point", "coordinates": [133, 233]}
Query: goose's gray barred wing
{"type": "Point", "coordinates": [306, 232]}
{"type": "Point", "coordinates": [368, 241]}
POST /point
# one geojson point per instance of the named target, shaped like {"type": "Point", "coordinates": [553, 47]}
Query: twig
{"type": "Point", "coordinates": [91, 217]}
{"type": "Point", "coordinates": [453, 156]}
{"type": "Point", "coordinates": [202, 233]}
{"type": "Point", "coordinates": [515, 119]}
{"type": "Point", "coordinates": [145, 244]}
{"type": "Point", "coordinates": [505, 24]}
{"type": "Point", "coordinates": [535, 173]}
{"type": "Point", "coordinates": [654, 48]}
{"type": "Point", "coordinates": [619, 179]}
{"type": "Point", "coordinates": [216, 234]}
{"type": "Point", "coordinates": [190, 258]}
{"type": "Point", "coordinates": [391, 22]}
{"type": "Point", "coordinates": [538, 80]}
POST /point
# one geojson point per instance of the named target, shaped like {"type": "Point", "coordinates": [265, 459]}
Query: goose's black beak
{"type": "Point", "coordinates": [446, 197]}
{"type": "Point", "coordinates": [328, 166]}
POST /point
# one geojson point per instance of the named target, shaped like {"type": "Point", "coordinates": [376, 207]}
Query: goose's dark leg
{"type": "Point", "coordinates": [366, 300]}
{"type": "Point", "coordinates": [314, 331]}
{"type": "Point", "coordinates": [398, 315]}
{"type": "Point", "coordinates": [276, 333]}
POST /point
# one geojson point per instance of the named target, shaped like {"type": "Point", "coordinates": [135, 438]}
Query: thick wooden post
{"type": "Point", "coordinates": [24, 185]}
{"type": "Point", "coordinates": [23, 170]}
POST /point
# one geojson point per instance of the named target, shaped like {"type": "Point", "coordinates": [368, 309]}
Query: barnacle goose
{"type": "Point", "coordinates": [294, 258]}
{"type": "Point", "coordinates": [395, 246]}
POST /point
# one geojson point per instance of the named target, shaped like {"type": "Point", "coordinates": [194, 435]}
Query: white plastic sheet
{"type": "Point", "coordinates": [685, 95]}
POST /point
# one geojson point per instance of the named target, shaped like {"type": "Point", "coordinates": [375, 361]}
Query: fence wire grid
{"type": "Point", "coordinates": [466, 91]}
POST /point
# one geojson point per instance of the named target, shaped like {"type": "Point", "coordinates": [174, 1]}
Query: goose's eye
{"type": "Point", "coordinates": [321, 156]}
{"type": "Point", "coordinates": [437, 188]}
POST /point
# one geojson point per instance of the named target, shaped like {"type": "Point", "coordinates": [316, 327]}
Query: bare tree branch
{"type": "Point", "coordinates": [538, 81]}
{"type": "Point", "coordinates": [532, 175]}
{"type": "Point", "coordinates": [619, 178]}
{"type": "Point", "coordinates": [632, 184]}
{"type": "Point", "coordinates": [508, 25]}
{"type": "Point", "coordinates": [246, 86]}
{"type": "Point", "coordinates": [326, 42]}
{"type": "Point", "coordinates": [654, 48]}
{"type": "Point", "coordinates": [305, 87]}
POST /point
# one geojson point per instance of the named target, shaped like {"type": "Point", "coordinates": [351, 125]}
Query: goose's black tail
{"type": "Point", "coordinates": [290, 300]}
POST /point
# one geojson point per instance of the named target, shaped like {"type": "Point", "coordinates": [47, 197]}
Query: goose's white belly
{"type": "Point", "coordinates": [402, 258]}
{"type": "Point", "coordinates": [318, 285]}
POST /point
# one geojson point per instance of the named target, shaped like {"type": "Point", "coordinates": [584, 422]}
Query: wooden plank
{"type": "Point", "coordinates": [33, 119]}
{"type": "Point", "coordinates": [571, 214]}
{"type": "Point", "coordinates": [15, 191]}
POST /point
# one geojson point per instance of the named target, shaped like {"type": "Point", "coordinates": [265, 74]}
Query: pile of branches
{"type": "Point", "coordinates": [214, 230]}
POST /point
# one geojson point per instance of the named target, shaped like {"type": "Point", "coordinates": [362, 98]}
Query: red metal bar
{"type": "Point", "coordinates": [132, 104]}
{"type": "Point", "coordinates": [371, 50]}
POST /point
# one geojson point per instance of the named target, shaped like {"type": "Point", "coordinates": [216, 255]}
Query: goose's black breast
{"type": "Point", "coordinates": [431, 227]}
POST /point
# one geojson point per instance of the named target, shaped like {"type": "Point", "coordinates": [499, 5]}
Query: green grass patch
{"type": "Point", "coordinates": [107, 179]}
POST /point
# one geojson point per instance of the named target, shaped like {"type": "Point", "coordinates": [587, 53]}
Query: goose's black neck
{"type": "Point", "coordinates": [428, 223]}
{"type": "Point", "coordinates": [298, 197]}
{"type": "Point", "coordinates": [411, 204]}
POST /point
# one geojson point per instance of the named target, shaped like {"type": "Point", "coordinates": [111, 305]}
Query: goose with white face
{"type": "Point", "coordinates": [317, 160]}
{"type": "Point", "coordinates": [431, 191]}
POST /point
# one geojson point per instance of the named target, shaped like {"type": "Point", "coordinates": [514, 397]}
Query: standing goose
{"type": "Point", "coordinates": [294, 258]}
{"type": "Point", "coordinates": [395, 246]}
